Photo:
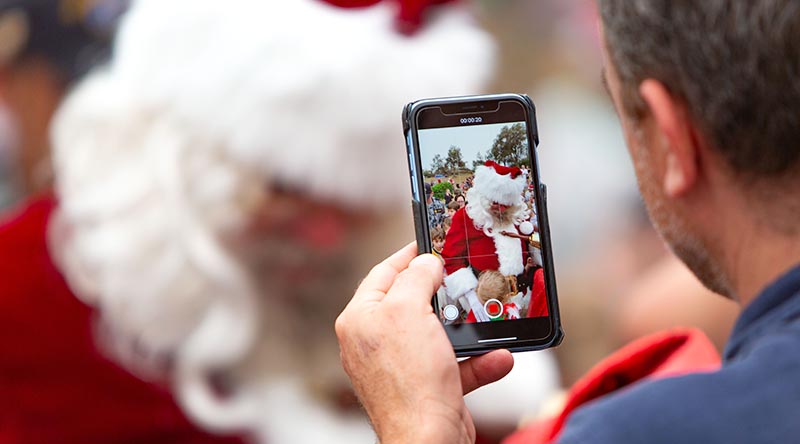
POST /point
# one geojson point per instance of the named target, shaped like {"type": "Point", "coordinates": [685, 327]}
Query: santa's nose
{"type": "Point", "coordinates": [500, 207]}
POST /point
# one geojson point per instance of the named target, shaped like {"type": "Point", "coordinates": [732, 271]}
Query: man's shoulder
{"type": "Point", "coordinates": [649, 411]}
{"type": "Point", "coordinates": [735, 404]}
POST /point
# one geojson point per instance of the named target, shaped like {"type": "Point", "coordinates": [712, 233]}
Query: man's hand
{"type": "Point", "coordinates": [399, 358]}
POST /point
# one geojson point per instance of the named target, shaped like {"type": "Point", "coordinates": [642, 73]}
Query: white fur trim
{"type": "Point", "coordinates": [509, 252]}
{"type": "Point", "coordinates": [460, 282]}
{"type": "Point", "coordinates": [496, 188]}
{"type": "Point", "coordinates": [512, 311]}
{"type": "Point", "coordinates": [476, 307]}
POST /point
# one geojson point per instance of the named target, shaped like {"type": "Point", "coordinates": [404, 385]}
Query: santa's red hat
{"type": "Point", "coordinates": [409, 14]}
{"type": "Point", "coordinates": [499, 183]}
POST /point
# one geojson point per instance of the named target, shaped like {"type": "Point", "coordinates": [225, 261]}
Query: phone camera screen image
{"type": "Point", "coordinates": [480, 195]}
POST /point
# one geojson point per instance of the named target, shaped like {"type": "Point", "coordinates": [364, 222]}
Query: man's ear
{"type": "Point", "coordinates": [677, 132]}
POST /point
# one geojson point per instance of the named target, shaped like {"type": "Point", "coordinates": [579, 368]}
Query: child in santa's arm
{"type": "Point", "coordinates": [494, 293]}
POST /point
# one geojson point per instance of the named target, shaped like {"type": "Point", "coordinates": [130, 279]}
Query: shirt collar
{"type": "Point", "coordinates": [777, 302]}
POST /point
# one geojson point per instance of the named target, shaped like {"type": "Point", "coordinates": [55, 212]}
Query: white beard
{"type": "Point", "coordinates": [508, 249]}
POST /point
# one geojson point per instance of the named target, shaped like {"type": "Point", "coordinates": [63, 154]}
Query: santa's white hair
{"type": "Point", "coordinates": [169, 150]}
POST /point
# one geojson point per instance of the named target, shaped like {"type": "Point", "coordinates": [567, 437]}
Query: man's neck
{"type": "Point", "coordinates": [759, 256]}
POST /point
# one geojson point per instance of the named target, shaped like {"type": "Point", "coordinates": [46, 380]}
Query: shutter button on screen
{"type": "Point", "coordinates": [493, 308]}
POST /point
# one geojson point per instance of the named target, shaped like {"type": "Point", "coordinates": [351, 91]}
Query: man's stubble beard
{"type": "Point", "coordinates": [695, 251]}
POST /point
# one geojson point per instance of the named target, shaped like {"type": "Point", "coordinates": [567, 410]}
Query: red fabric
{"type": "Point", "coordinates": [538, 305]}
{"type": "Point", "coordinates": [503, 170]}
{"type": "Point", "coordinates": [352, 3]}
{"type": "Point", "coordinates": [664, 354]}
{"type": "Point", "coordinates": [466, 246]}
{"type": "Point", "coordinates": [55, 386]}
{"type": "Point", "coordinates": [410, 13]}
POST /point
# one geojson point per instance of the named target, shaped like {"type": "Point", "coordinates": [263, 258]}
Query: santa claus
{"type": "Point", "coordinates": [210, 217]}
{"type": "Point", "coordinates": [494, 233]}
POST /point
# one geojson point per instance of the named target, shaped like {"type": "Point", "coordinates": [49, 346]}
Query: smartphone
{"type": "Point", "coordinates": [479, 205]}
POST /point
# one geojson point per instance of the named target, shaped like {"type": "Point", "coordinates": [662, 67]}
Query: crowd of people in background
{"type": "Point", "coordinates": [441, 209]}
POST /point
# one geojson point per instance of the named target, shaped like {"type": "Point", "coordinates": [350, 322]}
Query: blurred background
{"type": "Point", "coordinates": [616, 280]}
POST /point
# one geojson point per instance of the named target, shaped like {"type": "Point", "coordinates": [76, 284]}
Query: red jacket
{"type": "Point", "coordinates": [55, 386]}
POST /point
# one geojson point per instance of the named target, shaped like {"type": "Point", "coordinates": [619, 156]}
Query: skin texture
{"type": "Point", "coordinates": [401, 363]}
{"type": "Point", "coordinates": [395, 350]}
{"type": "Point", "coordinates": [704, 211]}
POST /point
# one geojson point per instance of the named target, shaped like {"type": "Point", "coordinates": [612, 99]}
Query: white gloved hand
{"type": "Point", "coordinates": [476, 307]}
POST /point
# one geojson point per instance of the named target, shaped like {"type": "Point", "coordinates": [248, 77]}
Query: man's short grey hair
{"type": "Point", "coordinates": [735, 64]}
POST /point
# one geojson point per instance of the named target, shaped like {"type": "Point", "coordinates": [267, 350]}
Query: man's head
{"type": "Point", "coordinates": [428, 193]}
{"type": "Point", "coordinates": [709, 98]}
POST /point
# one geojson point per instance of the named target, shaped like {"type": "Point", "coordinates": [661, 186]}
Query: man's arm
{"type": "Point", "coordinates": [400, 361]}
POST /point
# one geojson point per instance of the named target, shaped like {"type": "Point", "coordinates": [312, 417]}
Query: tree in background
{"type": "Point", "coordinates": [510, 147]}
{"type": "Point", "coordinates": [437, 165]}
{"type": "Point", "coordinates": [454, 163]}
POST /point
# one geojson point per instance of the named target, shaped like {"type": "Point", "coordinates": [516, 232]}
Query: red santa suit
{"type": "Point", "coordinates": [56, 385]}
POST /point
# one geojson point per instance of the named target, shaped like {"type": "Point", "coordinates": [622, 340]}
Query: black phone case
{"type": "Point", "coordinates": [423, 236]}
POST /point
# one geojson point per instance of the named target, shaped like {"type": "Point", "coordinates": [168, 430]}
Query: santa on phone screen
{"type": "Point", "coordinates": [491, 233]}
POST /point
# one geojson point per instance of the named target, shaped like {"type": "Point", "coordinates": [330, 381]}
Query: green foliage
{"type": "Point", "coordinates": [510, 146]}
{"type": "Point", "coordinates": [438, 189]}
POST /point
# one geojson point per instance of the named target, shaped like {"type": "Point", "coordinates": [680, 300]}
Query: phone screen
{"type": "Point", "coordinates": [481, 186]}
